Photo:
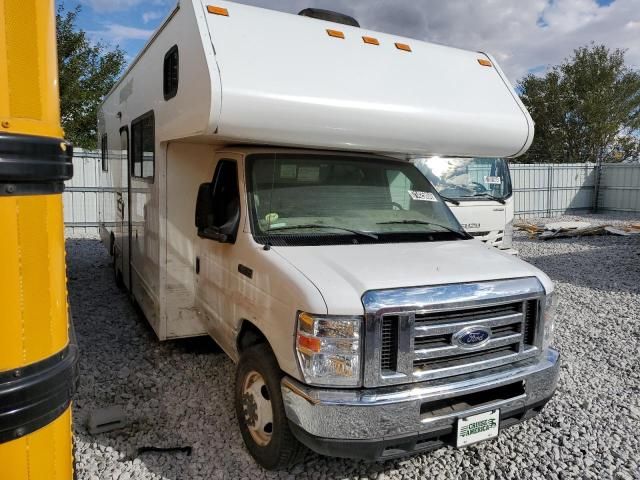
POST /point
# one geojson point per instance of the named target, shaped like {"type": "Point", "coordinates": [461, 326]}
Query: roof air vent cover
{"type": "Point", "coordinates": [329, 16]}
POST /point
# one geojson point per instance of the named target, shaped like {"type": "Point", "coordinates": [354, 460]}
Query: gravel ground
{"type": "Point", "coordinates": [180, 393]}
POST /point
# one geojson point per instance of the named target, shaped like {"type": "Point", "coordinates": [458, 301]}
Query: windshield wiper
{"type": "Point", "coordinates": [450, 200]}
{"type": "Point", "coordinates": [317, 225]}
{"type": "Point", "coordinates": [461, 234]}
{"type": "Point", "coordinates": [490, 197]}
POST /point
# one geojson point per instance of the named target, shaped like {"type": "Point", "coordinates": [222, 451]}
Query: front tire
{"type": "Point", "coordinates": [260, 410]}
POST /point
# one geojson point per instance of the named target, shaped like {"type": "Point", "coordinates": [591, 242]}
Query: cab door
{"type": "Point", "coordinates": [217, 285]}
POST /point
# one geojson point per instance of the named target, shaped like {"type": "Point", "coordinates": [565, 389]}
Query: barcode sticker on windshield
{"type": "Point", "coordinates": [422, 196]}
{"type": "Point", "coordinates": [492, 180]}
{"type": "Point", "coordinates": [308, 174]}
{"type": "Point", "coordinates": [288, 171]}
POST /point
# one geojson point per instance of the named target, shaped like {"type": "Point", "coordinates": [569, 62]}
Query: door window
{"type": "Point", "coordinates": [143, 147]}
{"type": "Point", "coordinates": [226, 195]}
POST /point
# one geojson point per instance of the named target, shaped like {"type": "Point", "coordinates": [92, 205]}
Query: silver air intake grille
{"type": "Point", "coordinates": [442, 331]}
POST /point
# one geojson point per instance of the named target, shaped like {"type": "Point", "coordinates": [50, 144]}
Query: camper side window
{"type": "Point", "coordinates": [105, 153]}
{"type": "Point", "coordinates": [170, 73]}
{"type": "Point", "coordinates": [143, 147]}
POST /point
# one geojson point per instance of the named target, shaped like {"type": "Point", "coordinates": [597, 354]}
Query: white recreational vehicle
{"type": "Point", "coordinates": [253, 192]}
{"type": "Point", "coordinates": [479, 193]}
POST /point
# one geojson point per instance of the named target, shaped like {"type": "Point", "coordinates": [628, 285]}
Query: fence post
{"type": "Point", "coordinates": [596, 185]}
{"type": "Point", "coordinates": [549, 190]}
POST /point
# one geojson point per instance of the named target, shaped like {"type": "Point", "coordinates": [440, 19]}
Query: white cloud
{"type": "Point", "coordinates": [522, 35]}
{"type": "Point", "coordinates": [110, 5]}
{"type": "Point", "coordinates": [119, 5]}
{"type": "Point", "coordinates": [152, 15]}
{"type": "Point", "coordinates": [116, 33]}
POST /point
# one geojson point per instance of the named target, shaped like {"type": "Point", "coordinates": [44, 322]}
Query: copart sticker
{"type": "Point", "coordinates": [422, 196]}
{"type": "Point", "coordinates": [492, 180]}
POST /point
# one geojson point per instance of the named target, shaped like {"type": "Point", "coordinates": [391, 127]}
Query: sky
{"type": "Point", "coordinates": [525, 36]}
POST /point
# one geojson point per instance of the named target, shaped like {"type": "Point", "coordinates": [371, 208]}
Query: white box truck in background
{"type": "Point", "coordinates": [363, 320]}
{"type": "Point", "coordinates": [479, 193]}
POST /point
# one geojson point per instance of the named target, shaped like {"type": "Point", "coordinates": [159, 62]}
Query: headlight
{"type": "Point", "coordinates": [328, 349]}
{"type": "Point", "coordinates": [548, 317]}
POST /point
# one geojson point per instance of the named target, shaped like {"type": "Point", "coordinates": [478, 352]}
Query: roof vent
{"type": "Point", "coordinates": [329, 16]}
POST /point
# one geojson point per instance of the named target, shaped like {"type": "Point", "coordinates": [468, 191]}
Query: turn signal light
{"type": "Point", "coordinates": [309, 343]}
{"type": "Point", "coordinates": [335, 33]}
{"type": "Point", "coordinates": [484, 62]}
{"type": "Point", "coordinates": [218, 10]}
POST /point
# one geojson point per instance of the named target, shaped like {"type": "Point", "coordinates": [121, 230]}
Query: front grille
{"type": "Point", "coordinates": [467, 315]}
{"type": "Point", "coordinates": [466, 358]}
{"type": "Point", "coordinates": [489, 237]}
{"type": "Point", "coordinates": [422, 333]}
{"type": "Point", "coordinates": [435, 352]}
{"type": "Point", "coordinates": [389, 350]}
{"type": "Point", "coordinates": [530, 315]}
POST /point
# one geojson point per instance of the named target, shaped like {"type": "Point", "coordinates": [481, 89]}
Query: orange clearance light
{"type": "Point", "coordinates": [335, 33]}
{"type": "Point", "coordinates": [370, 40]}
{"type": "Point", "coordinates": [484, 62]}
{"type": "Point", "coordinates": [218, 10]}
{"type": "Point", "coordinates": [306, 322]}
{"type": "Point", "coordinates": [403, 46]}
{"type": "Point", "coordinates": [309, 343]}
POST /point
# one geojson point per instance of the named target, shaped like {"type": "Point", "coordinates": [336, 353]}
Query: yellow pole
{"type": "Point", "coordinates": [37, 359]}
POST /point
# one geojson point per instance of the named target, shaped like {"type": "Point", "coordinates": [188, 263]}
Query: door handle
{"type": "Point", "coordinates": [246, 271]}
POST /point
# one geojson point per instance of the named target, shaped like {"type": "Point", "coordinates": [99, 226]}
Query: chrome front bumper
{"type": "Point", "coordinates": [416, 409]}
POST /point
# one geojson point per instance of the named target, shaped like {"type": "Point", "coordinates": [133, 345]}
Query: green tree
{"type": "Point", "coordinates": [87, 71]}
{"type": "Point", "coordinates": [586, 109]}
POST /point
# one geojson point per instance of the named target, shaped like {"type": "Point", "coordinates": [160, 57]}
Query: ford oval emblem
{"type": "Point", "coordinates": [472, 337]}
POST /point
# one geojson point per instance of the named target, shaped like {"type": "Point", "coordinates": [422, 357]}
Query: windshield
{"type": "Point", "coordinates": [466, 178]}
{"type": "Point", "coordinates": [296, 198]}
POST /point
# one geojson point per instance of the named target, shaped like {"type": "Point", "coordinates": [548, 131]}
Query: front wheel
{"type": "Point", "coordinates": [260, 410]}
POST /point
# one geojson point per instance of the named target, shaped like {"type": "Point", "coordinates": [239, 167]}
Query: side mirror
{"type": "Point", "coordinates": [205, 217]}
{"type": "Point", "coordinates": [204, 207]}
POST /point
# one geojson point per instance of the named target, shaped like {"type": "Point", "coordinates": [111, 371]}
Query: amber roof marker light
{"type": "Point", "coordinates": [403, 46]}
{"type": "Point", "coordinates": [484, 62]}
{"type": "Point", "coordinates": [335, 33]}
{"type": "Point", "coordinates": [218, 10]}
{"type": "Point", "coordinates": [370, 40]}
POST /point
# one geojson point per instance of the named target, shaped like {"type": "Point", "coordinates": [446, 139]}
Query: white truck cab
{"type": "Point", "coordinates": [479, 193]}
{"type": "Point", "coordinates": [253, 192]}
